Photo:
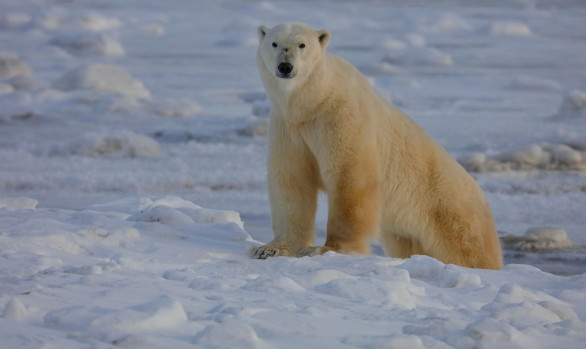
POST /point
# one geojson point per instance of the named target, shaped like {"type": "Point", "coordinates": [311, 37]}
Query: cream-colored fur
{"type": "Point", "coordinates": [383, 175]}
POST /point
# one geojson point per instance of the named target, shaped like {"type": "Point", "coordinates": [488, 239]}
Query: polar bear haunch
{"type": "Point", "coordinates": [383, 175]}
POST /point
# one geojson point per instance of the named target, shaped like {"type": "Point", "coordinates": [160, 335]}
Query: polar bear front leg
{"type": "Point", "coordinates": [354, 208]}
{"type": "Point", "coordinates": [293, 206]}
{"type": "Point", "coordinates": [293, 189]}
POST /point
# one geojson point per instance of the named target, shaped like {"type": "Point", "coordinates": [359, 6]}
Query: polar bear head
{"type": "Point", "coordinates": [290, 51]}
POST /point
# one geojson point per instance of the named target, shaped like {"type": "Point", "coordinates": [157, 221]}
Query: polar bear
{"type": "Point", "coordinates": [383, 175]}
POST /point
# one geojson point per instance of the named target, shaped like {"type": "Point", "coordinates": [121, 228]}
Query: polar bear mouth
{"type": "Point", "coordinates": [285, 76]}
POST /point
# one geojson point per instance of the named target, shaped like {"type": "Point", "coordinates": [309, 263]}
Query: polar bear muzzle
{"type": "Point", "coordinates": [285, 70]}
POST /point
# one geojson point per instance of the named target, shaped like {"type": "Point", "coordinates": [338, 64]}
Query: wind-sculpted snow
{"type": "Point", "coordinates": [113, 144]}
{"type": "Point", "coordinates": [102, 77]}
{"type": "Point", "coordinates": [543, 156]}
{"type": "Point", "coordinates": [168, 273]}
{"type": "Point", "coordinates": [97, 249]}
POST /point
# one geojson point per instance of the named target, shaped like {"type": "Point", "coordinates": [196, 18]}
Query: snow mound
{"type": "Point", "coordinates": [102, 77]}
{"type": "Point", "coordinates": [16, 105]}
{"type": "Point", "coordinates": [261, 109]}
{"type": "Point", "coordinates": [542, 239]}
{"type": "Point", "coordinates": [443, 23]}
{"type": "Point", "coordinates": [97, 22]}
{"type": "Point", "coordinates": [542, 156]}
{"type": "Point", "coordinates": [88, 43]}
{"type": "Point", "coordinates": [14, 20]}
{"type": "Point", "coordinates": [11, 66]}
{"type": "Point", "coordinates": [124, 144]}
{"type": "Point", "coordinates": [393, 45]}
{"type": "Point", "coordinates": [154, 29]}
{"type": "Point", "coordinates": [171, 210]}
{"type": "Point", "coordinates": [258, 129]}
{"type": "Point", "coordinates": [160, 314]}
{"type": "Point", "coordinates": [49, 19]}
{"type": "Point", "coordinates": [435, 272]}
{"type": "Point", "coordinates": [24, 82]}
{"type": "Point", "coordinates": [419, 56]}
{"type": "Point", "coordinates": [573, 106]}
{"type": "Point", "coordinates": [105, 276]}
{"type": "Point", "coordinates": [415, 39]}
{"type": "Point", "coordinates": [251, 97]}
{"type": "Point", "coordinates": [180, 109]}
{"type": "Point", "coordinates": [15, 310]}
{"type": "Point", "coordinates": [510, 28]}
{"type": "Point", "coordinates": [19, 203]}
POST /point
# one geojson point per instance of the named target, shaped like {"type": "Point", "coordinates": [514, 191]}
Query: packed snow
{"type": "Point", "coordinates": [132, 184]}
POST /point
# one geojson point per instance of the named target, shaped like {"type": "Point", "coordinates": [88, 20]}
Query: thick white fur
{"type": "Point", "coordinates": [383, 175]}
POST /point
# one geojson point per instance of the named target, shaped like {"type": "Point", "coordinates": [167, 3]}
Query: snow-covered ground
{"type": "Point", "coordinates": [119, 118]}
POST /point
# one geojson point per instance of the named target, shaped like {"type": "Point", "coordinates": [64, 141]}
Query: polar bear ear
{"type": "Point", "coordinates": [324, 37]}
{"type": "Point", "coordinates": [262, 32]}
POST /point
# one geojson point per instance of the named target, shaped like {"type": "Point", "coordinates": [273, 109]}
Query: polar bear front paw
{"type": "Point", "coordinates": [263, 253]}
{"type": "Point", "coordinates": [266, 251]}
{"type": "Point", "coordinates": [315, 251]}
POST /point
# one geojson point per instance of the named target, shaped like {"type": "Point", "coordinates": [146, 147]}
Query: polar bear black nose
{"type": "Point", "coordinates": [285, 68]}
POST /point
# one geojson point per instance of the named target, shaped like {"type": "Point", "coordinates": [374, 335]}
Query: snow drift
{"type": "Point", "coordinates": [88, 43]}
{"type": "Point", "coordinates": [11, 66]}
{"type": "Point", "coordinates": [102, 77]}
{"type": "Point", "coordinates": [166, 272]}
{"type": "Point", "coordinates": [542, 156]}
{"type": "Point", "coordinates": [541, 239]}
{"type": "Point", "coordinates": [117, 144]}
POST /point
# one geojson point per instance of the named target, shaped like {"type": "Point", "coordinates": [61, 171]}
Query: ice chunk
{"type": "Point", "coordinates": [14, 20]}
{"type": "Point", "coordinates": [154, 29]}
{"type": "Point", "coordinates": [88, 43]}
{"type": "Point", "coordinates": [164, 215]}
{"type": "Point", "coordinates": [326, 275]}
{"type": "Point", "coordinates": [175, 211]}
{"type": "Point", "coordinates": [163, 313]}
{"type": "Point", "coordinates": [23, 82]}
{"type": "Point", "coordinates": [574, 105]}
{"type": "Point", "coordinates": [11, 66]}
{"type": "Point", "coordinates": [96, 22]}
{"type": "Point", "coordinates": [510, 28]}
{"type": "Point", "coordinates": [544, 239]}
{"type": "Point", "coordinates": [443, 22]}
{"type": "Point", "coordinates": [491, 330]}
{"type": "Point", "coordinates": [393, 45]}
{"type": "Point", "coordinates": [261, 109]}
{"type": "Point", "coordinates": [19, 203]}
{"type": "Point", "coordinates": [532, 156]}
{"type": "Point", "coordinates": [540, 239]}
{"type": "Point", "coordinates": [415, 39]}
{"type": "Point", "coordinates": [543, 156]}
{"type": "Point", "coordinates": [473, 162]}
{"type": "Point", "coordinates": [423, 267]}
{"type": "Point", "coordinates": [418, 56]}
{"type": "Point", "coordinates": [15, 310]}
{"type": "Point", "coordinates": [453, 278]}
{"type": "Point", "coordinates": [117, 144]}
{"type": "Point", "coordinates": [181, 108]}
{"type": "Point", "coordinates": [102, 77]}
{"type": "Point", "coordinates": [49, 19]}
{"type": "Point", "coordinates": [258, 129]}
{"type": "Point", "coordinates": [231, 333]}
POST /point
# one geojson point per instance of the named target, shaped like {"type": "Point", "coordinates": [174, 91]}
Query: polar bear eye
{"type": "Point", "coordinates": [274, 44]}
{"type": "Point", "coordinates": [302, 46]}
